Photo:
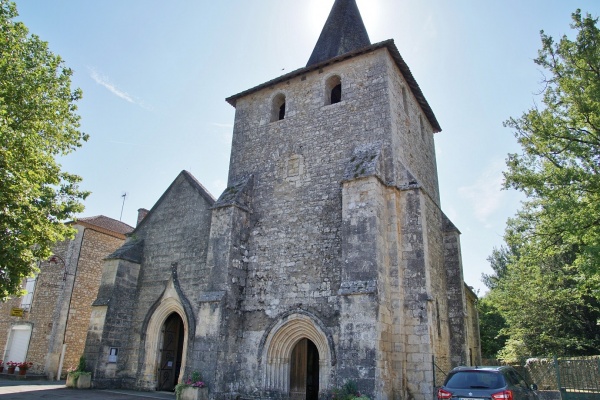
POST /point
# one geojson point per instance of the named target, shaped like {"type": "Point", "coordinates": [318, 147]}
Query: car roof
{"type": "Point", "coordinates": [496, 368]}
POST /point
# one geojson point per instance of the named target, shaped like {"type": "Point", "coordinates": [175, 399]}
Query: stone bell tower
{"type": "Point", "coordinates": [326, 259]}
{"type": "Point", "coordinates": [346, 237]}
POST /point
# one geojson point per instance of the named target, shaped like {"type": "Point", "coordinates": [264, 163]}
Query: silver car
{"type": "Point", "coordinates": [486, 383]}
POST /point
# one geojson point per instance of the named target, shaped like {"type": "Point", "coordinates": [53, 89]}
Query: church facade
{"type": "Point", "coordinates": [327, 258]}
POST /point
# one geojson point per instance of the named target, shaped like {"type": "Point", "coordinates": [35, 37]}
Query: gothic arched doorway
{"type": "Point", "coordinates": [304, 371]}
{"type": "Point", "coordinates": [171, 352]}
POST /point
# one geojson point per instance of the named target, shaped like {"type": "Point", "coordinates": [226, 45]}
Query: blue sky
{"type": "Point", "coordinates": [155, 75]}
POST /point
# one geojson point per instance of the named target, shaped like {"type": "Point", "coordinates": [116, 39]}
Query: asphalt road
{"type": "Point", "coordinates": [30, 390]}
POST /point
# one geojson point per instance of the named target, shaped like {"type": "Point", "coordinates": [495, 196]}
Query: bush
{"type": "Point", "coordinates": [348, 391]}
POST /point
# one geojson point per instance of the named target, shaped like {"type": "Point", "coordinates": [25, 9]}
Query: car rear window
{"type": "Point", "coordinates": [475, 380]}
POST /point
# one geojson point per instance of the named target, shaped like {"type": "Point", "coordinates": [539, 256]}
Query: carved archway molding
{"type": "Point", "coordinates": [170, 303]}
{"type": "Point", "coordinates": [276, 350]}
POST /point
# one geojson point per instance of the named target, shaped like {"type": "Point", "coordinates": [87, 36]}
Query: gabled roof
{"type": "Point", "coordinates": [393, 50]}
{"type": "Point", "coordinates": [193, 182]}
{"type": "Point", "coordinates": [131, 251]}
{"type": "Point", "coordinates": [343, 32]}
{"type": "Point", "coordinates": [105, 225]}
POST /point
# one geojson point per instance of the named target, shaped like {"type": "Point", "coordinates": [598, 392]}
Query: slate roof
{"type": "Point", "coordinates": [106, 225]}
{"type": "Point", "coordinates": [130, 251]}
{"type": "Point", "coordinates": [344, 31]}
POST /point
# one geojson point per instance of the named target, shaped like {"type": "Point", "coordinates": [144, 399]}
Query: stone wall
{"type": "Point", "coordinates": [174, 238]}
{"type": "Point", "coordinates": [473, 338]}
{"type": "Point", "coordinates": [58, 295]}
{"type": "Point", "coordinates": [297, 235]}
{"type": "Point", "coordinates": [95, 247]}
{"type": "Point", "coordinates": [40, 316]}
{"type": "Point", "coordinates": [330, 230]}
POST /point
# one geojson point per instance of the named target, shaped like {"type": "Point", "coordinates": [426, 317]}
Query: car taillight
{"type": "Point", "coordinates": [504, 395]}
{"type": "Point", "coordinates": [442, 394]}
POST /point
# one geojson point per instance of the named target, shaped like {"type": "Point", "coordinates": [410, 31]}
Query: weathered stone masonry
{"type": "Point", "coordinates": [60, 308]}
{"type": "Point", "coordinates": [330, 236]}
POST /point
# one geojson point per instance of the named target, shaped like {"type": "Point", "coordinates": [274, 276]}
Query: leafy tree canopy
{"type": "Point", "coordinates": [559, 168]}
{"type": "Point", "coordinates": [492, 325]}
{"type": "Point", "coordinates": [38, 122]}
{"type": "Point", "coordinates": [546, 282]}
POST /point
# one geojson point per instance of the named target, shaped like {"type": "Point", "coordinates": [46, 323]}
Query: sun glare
{"type": "Point", "coordinates": [318, 10]}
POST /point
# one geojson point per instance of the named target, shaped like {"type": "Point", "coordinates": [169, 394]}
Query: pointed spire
{"type": "Point", "coordinates": [343, 32]}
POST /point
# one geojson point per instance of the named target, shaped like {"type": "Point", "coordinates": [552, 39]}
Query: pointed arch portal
{"type": "Point", "coordinates": [165, 348]}
{"type": "Point", "coordinates": [171, 352]}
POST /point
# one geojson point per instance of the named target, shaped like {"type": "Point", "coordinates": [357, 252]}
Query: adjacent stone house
{"type": "Point", "coordinates": [327, 258]}
{"type": "Point", "coordinates": [56, 311]}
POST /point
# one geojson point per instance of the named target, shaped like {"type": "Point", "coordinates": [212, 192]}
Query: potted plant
{"type": "Point", "coordinates": [78, 377]}
{"type": "Point", "coordinates": [11, 365]}
{"type": "Point", "coordinates": [1, 365]}
{"type": "Point", "coordinates": [24, 366]}
{"type": "Point", "coordinates": [192, 388]}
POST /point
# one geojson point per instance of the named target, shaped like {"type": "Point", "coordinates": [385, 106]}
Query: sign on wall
{"type": "Point", "coordinates": [16, 312]}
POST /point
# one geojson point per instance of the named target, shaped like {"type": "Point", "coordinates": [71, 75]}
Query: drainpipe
{"type": "Point", "coordinates": [62, 359]}
{"type": "Point", "coordinates": [57, 347]}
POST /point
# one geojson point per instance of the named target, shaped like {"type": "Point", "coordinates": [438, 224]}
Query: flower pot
{"type": "Point", "coordinates": [22, 371]}
{"type": "Point", "coordinates": [1, 368]}
{"type": "Point", "coordinates": [71, 380]}
{"type": "Point", "coordinates": [10, 370]}
{"type": "Point", "coordinates": [84, 381]}
{"type": "Point", "coordinates": [192, 393]}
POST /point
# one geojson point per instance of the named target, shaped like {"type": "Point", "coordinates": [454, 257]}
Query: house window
{"type": "Point", "coordinates": [333, 88]}
{"type": "Point", "coordinates": [278, 108]}
{"type": "Point", "coordinates": [28, 298]}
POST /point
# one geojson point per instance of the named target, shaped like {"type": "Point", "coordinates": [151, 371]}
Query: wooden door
{"type": "Point", "coordinates": [304, 371]}
{"type": "Point", "coordinates": [170, 353]}
{"type": "Point", "coordinates": [298, 371]}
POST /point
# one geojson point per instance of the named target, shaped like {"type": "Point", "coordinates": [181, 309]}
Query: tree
{"type": "Point", "coordinates": [547, 285]}
{"type": "Point", "coordinates": [491, 326]}
{"type": "Point", "coordinates": [559, 168]}
{"type": "Point", "coordinates": [548, 307]}
{"type": "Point", "coordinates": [498, 261]}
{"type": "Point", "coordinates": [38, 122]}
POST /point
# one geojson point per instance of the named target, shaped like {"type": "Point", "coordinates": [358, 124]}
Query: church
{"type": "Point", "coordinates": [327, 258]}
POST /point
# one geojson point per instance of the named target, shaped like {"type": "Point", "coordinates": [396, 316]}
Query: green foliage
{"type": "Point", "coordinates": [549, 307]}
{"type": "Point", "coordinates": [559, 168]}
{"type": "Point", "coordinates": [348, 391]}
{"type": "Point", "coordinates": [38, 122]}
{"type": "Point", "coordinates": [76, 374]}
{"type": "Point", "coordinates": [491, 323]}
{"type": "Point", "coordinates": [498, 261]}
{"type": "Point", "coordinates": [193, 380]}
{"type": "Point", "coordinates": [547, 282]}
{"type": "Point", "coordinates": [81, 367]}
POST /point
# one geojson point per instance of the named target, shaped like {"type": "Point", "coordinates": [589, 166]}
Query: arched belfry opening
{"type": "Point", "coordinates": [304, 371]}
{"type": "Point", "coordinates": [333, 90]}
{"type": "Point", "coordinates": [171, 352]}
{"type": "Point", "coordinates": [278, 108]}
{"type": "Point", "coordinates": [298, 357]}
